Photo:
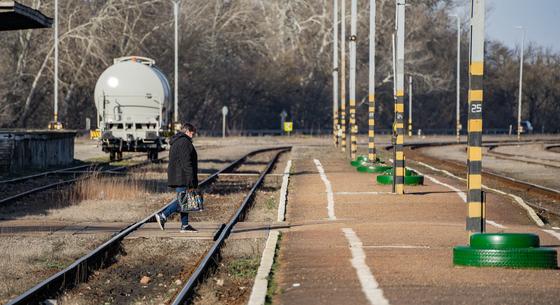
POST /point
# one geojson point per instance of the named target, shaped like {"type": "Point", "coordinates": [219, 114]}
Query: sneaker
{"type": "Point", "coordinates": [161, 220]}
{"type": "Point", "coordinates": [188, 229]}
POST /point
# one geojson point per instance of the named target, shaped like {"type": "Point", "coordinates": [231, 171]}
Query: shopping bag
{"type": "Point", "coordinates": [191, 201]}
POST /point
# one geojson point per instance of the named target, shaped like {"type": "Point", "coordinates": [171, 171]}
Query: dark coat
{"type": "Point", "coordinates": [183, 162]}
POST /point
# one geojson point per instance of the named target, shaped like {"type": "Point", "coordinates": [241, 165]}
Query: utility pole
{"type": "Point", "coordinates": [176, 4]}
{"type": "Point", "coordinates": [335, 72]}
{"type": "Point", "coordinates": [372, 156]}
{"type": "Point", "coordinates": [399, 105]}
{"type": "Point", "coordinates": [353, 38]}
{"type": "Point", "coordinates": [458, 113]}
{"type": "Point", "coordinates": [343, 75]}
{"type": "Point", "coordinates": [520, 82]}
{"type": "Point", "coordinates": [410, 106]}
{"type": "Point", "coordinates": [476, 206]}
{"type": "Point", "coordinates": [55, 124]}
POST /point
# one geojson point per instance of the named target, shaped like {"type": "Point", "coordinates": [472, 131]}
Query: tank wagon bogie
{"type": "Point", "coordinates": [133, 101]}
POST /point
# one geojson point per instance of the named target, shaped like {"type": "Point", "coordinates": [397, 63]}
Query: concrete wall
{"type": "Point", "coordinates": [25, 150]}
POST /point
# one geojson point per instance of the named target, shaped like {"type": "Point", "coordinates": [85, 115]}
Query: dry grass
{"type": "Point", "coordinates": [108, 199]}
{"type": "Point", "coordinates": [28, 260]}
{"type": "Point", "coordinates": [97, 187]}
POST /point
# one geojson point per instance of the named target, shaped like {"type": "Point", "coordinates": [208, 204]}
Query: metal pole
{"type": "Point", "coordinates": [394, 131]}
{"type": "Point", "coordinates": [520, 83]}
{"type": "Point", "coordinates": [476, 207]}
{"type": "Point", "coordinates": [372, 156]}
{"type": "Point", "coordinates": [335, 72]}
{"type": "Point", "coordinates": [55, 120]}
{"type": "Point", "coordinates": [343, 75]}
{"type": "Point", "coordinates": [458, 119]}
{"type": "Point", "coordinates": [353, 38]}
{"type": "Point", "coordinates": [176, 89]}
{"type": "Point", "coordinates": [410, 106]}
{"type": "Point", "coordinates": [399, 105]}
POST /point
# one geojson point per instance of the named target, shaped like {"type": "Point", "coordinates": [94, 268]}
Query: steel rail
{"type": "Point", "coordinates": [67, 170]}
{"type": "Point", "coordinates": [69, 181]}
{"type": "Point", "coordinates": [209, 259]}
{"type": "Point", "coordinates": [541, 188]}
{"type": "Point", "coordinates": [80, 270]}
{"type": "Point", "coordinates": [43, 174]}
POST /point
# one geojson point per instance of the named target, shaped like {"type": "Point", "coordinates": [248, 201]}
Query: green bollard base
{"type": "Point", "coordinates": [410, 178]}
{"type": "Point", "coordinates": [373, 168]}
{"type": "Point", "coordinates": [507, 250]}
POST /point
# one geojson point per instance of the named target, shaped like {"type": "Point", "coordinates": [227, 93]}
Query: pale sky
{"type": "Point", "coordinates": [541, 18]}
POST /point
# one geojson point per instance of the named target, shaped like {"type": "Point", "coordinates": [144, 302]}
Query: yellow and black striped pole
{"type": "Point", "coordinates": [335, 73]}
{"type": "Point", "coordinates": [372, 156]}
{"type": "Point", "coordinates": [410, 106]}
{"type": "Point", "coordinates": [353, 38]}
{"type": "Point", "coordinates": [476, 209]}
{"type": "Point", "coordinates": [399, 105]}
{"type": "Point", "coordinates": [343, 75]}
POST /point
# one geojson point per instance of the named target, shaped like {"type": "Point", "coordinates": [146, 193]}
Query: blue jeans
{"type": "Point", "coordinates": [175, 207]}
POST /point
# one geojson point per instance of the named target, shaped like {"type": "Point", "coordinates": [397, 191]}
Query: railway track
{"type": "Point", "coordinates": [545, 201]}
{"type": "Point", "coordinates": [554, 163]}
{"type": "Point", "coordinates": [18, 188]}
{"type": "Point", "coordinates": [81, 269]}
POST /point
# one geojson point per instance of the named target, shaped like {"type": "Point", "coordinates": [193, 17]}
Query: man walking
{"type": "Point", "coordinates": [181, 174]}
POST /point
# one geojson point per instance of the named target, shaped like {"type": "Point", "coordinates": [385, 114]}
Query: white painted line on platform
{"type": "Point", "coordinates": [363, 193]}
{"type": "Point", "coordinates": [258, 294]}
{"type": "Point", "coordinates": [370, 287]}
{"type": "Point", "coordinates": [532, 214]}
{"type": "Point", "coordinates": [396, 247]}
{"type": "Point", "coordinates": [459, 193]}
{"type": "Point", "coordinates": [553, 233]}
{"type": "Point", "coordinates": [284, 192]}
{"type": "Point", "coordinates": [328, 186]}
{"type": "Point", "coordinates": [495, 224]}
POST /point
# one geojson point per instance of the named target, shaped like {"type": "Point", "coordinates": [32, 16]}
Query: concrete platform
{"type": "Point", "coordinates": [368, 246]}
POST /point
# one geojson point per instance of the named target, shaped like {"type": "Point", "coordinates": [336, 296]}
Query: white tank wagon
{"type": "Point", "coordinates": [134, 102]}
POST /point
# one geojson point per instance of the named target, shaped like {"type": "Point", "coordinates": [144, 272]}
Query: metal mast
{"type": "Point", "coordinates": [399, 105]}
{"type": "Point", "coordinates": [372, 156]}
{"type": "Point", "coordinates": [520, 83]}
{"type": "Point", "coordinates": [353, 38]}
{"type": "Point", "coordinates": [476, 209]}
{"type": "Point", "coordinates": [176, 4]}
{"type": "Point", "coordinates": [343, 75]}
{"type": "Point", "coordinates": [335, 72]}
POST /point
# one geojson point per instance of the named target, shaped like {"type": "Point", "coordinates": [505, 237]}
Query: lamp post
{"type": "Point", "coordinates": [343, 75]}
{"type": "Point", "coordinates": [522, 51]}
{"type": "Point", "coordinates": [335, 72]}
{"type": "Point", "coordinates": [458, 113]}
{"type": "Point", "coordinates": [352, 100]}
{"type": "Point", "coordinates": [372, 156]}
{"type": "Point", "coordinates": [224, 115]}
{"type": "Point", "coordinates": [55, 124]}
{"type": "Point", "coordinates": [176, 4]}
{"type": "Point", "coordinates": [399, 165]}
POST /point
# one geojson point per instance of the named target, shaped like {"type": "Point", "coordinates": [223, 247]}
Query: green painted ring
{"type": "Point", "coordinates": [504, 241]}
{"type": "Point", "coordinates": [370, 168]}
{"type": "Point", "coordinates": [408, 180]}
{"type": "Point", "coordinates": [362, 158]}
{"type": "Point", "coordinates": [356, 163]}
{"type": "Point", "coordinates": [539, 258]}
{"type": "Point", "coordinates": [414, 180]}
{"type": "Point", "coordinates": [407, 172]}
{"type": "Point", "coordinates": [382, 179]}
